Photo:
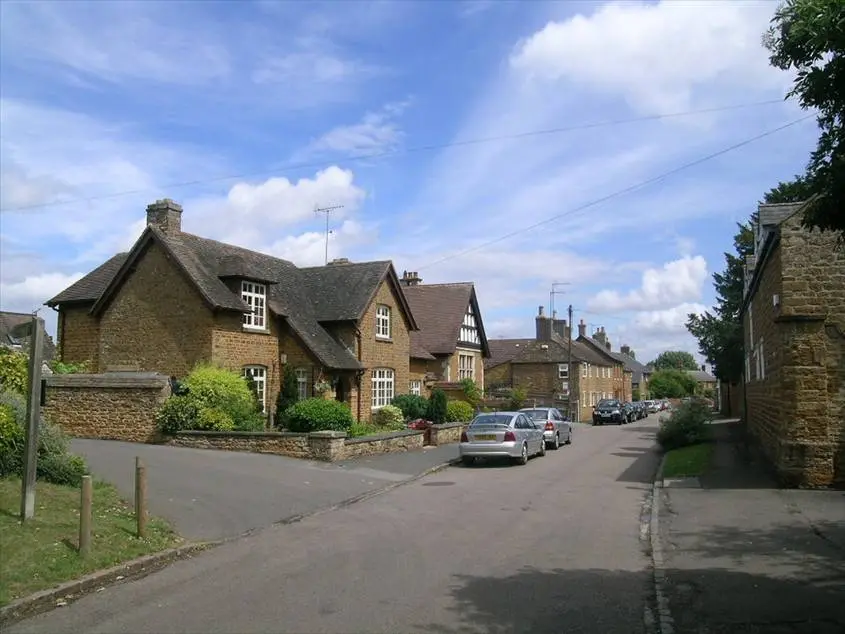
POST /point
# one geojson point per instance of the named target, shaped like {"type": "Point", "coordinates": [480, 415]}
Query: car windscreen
{"type": "Point", "coordinates": [537, 414]}
{"type": "Point", "coordinates": [608, 403]}
{"type": "Point", "coordinates": [492, 419]}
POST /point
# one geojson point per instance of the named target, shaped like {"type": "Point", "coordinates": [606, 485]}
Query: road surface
{"type": "Point", "coordinates": [553, 546]}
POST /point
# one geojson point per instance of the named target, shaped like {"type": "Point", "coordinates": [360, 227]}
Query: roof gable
{"type": "Point", "coordinates": [597, 347]}
{"type": "Point", "coordinates": [439, 310]}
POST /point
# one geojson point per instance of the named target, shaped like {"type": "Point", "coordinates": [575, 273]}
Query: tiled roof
{"type": "Point", "coordinates": [295, 294]}
{"type": "Point", "coordinates": [439, 310]}
{"type": "Point", "coordinates": [701, 376]}
{"type": "Point", "coordinates": [9, 321]}
{"type": "Point", "coordinates": [633, 366]}
{"type": "Point", "coordinates": [535, 351]}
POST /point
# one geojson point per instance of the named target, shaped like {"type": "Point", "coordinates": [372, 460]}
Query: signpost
{"type": "Point", "coordinates": [35, 331]}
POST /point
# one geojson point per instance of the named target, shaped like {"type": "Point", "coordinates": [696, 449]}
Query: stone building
{"type": "Point", "coordinates": [540, 366]}
{"type": "Point", "coordinates": [622, 376]}
{"type": "Point", "coordinates": [176, 299]}
{"type": "Point", "coordinates": [793, 317]}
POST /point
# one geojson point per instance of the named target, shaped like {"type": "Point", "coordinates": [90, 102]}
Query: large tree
{"type": "Point", "coordinates": [719, 333]}
{"type": "Point", "coordinates": [674, 360]}
{"type": "Point", "coordinates": [671, 384]}
{"type": "Point", "coordinates": [808, 36]}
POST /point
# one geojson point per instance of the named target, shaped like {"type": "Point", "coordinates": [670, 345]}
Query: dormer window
{"type": "Point", "coordinates": [469, 328]}
{"type": "Point", "coordinates": [255, 296]}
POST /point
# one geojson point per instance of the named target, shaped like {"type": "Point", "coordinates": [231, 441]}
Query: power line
{"type": "Point", "coordinates": [413, 150]}
{"type": "Point", "coordinates": [619, 192]}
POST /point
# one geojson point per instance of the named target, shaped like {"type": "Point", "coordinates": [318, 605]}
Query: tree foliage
{"type": "Point", "coordinates": [671, 384]}
{"type": "Point", "coordinates": [719, 333]}
{"type": "Point", "coordinates": [288, 395]}
{"type": "Point", "coordinates": [808, 37]}
{"type": "Point", "coordinates": [675, 360]}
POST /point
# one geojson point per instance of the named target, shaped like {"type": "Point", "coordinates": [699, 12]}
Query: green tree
{"type": "Point", "coordinates": [808, 36]}
{"type": "Point", "coordinates": [671, 384]}
{"type": "Point", "coordinates": [719, 333]}
{"type": "Point", "coordinates": [288, 395]}
{"type": "Point", "coordinates": [675, 360]}
{"type": "Point", "coordinates": [437, 405]}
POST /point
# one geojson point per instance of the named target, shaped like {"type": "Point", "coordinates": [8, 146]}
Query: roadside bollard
{"type": "Point", "coordinates": [141, 497]}
{"type": "Point", "coordinates": [85, 517]}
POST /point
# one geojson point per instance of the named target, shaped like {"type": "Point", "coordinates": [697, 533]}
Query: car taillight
{"type": "Point", "coordinates": [550, 426]}
{"type": "Point", "coordinates": [510, 436]}
{"type": "Point", "coordinates": [464, 437]}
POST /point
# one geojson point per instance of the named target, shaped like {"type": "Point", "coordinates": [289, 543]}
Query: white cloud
{"type": "Point", "coordinates": [309, 249]}
{"type": "Point", "coordinates": [310, 66]}
{"type": "Point", "coordinates": [678, 281]}
{"type": "Point", "coordinates": [31, 292]}
{"type": "Point", "coordinates": [670, 319]}
{"type": "Point", "coordinates": [655, 55]}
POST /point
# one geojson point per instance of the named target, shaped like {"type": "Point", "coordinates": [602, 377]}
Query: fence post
{"type": "Point", "coordinates": [85, 516]}
{"type": "Point", "coordinates": [141, 497]}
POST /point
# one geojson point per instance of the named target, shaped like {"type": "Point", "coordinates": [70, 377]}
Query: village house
{"type": "Point", "coordinates": [793, 317]}
{"type": "Point", "coordinates": [176, 299]}
{"type": "Point", "coordinates": [541, 367]}
{"type": "Point", "coordinates": [450, 344]}
{"type": "Point", "coordinates": [622, 377]}
{"type": "Point", "coordinates": [705, 383]}
{"type": "Point", "coordinates": [9, 338]}
{"type": "Point", "coordinates": [639, 372]}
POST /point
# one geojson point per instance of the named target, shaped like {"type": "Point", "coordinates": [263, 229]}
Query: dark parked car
{"type": "Point", "coordinates": [641, 409]}
{"type": "Point", "coordinates": [609, 410]}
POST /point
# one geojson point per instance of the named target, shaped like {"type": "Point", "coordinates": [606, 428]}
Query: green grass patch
{"type": "Point", "coordinates": [687, 462]}
{"type": "Point", "coordinates": [42, 553]}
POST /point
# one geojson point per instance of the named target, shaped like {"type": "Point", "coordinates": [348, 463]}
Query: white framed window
{"type": "Point", "coordinates": [594, 398]}
{"type": "Point", "coordinates": [255, 296]}
{"type": "Point", "coordinates": [584, 367]}
{"type": "Point", "coordinates": [382, 387]}
{"type": "Point", "coordinates": [382, 322]}
{"type": "Point", "coordinates": [564, 387]}
{"type": "Point", "coordinates": [469, 328]}
{"type": "Point", "coordinates": [415, 388]}
{"type": "Point", "coordinates": [590, 370]}
{"type": "Point", "coordinates": [466, 366]}
{"type": "Point", "coordinates": [258, 373]}
{"type": "Point", "coordinates": [562, 371]}
{"type": "Point", "coordinates": [584, 400]}
{"type": "Point", "coordinates": [302, 383]}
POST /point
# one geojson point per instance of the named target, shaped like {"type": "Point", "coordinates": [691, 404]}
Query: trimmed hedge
{"type": "Point", "coordinates": [388, 416]}
{"type": "Point", "coordinates": [413, 406]}
{"type": "Point", "coordinates": [459, 412]}
{"type": "Point", "coordinates": [319, 414]}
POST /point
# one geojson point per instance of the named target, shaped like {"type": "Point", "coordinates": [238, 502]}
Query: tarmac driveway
{"type": "Point", "coordinates": [211, 495]}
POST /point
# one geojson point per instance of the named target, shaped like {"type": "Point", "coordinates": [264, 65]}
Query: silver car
{"type": "Point", "coordinates": [556, 429]}
{"type": "Point", "coordinates": [501, 435]}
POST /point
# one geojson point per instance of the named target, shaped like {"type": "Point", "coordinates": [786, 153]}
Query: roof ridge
{"type": "Point", "coordinates": [442, 284]}
{"type": "Point", "coordinates": [343, 265]}
{"type": "Point", "coordinates": [229, 245]}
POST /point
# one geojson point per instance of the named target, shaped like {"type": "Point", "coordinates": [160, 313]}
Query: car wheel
{"type": "Point", "coordinates": [542, 451]}
{"type": "Point", "coordinates": [569, 437]}
{"type": "Point", "coordinates": [523, 458]}
{"type": "Point", "coordinates": [556, 442]}
{"type": "Point", "coordinates": [468, 461]}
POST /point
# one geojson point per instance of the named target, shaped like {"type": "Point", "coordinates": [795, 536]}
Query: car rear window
{"type": "Point", "coordinates": [608, 403]}
{"type": "Point", "coordinates": [537, 414]}
{"type": "Point", "coordinates": [492, 419]}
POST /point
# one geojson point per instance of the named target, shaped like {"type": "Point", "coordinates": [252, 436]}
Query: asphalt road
{"type": "Point", "coordinates": [210, 495]}
{"type": "Point", "coordinates": [550, 547]}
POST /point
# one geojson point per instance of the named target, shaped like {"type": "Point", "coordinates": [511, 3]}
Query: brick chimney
{"type": "Point", "coordinates": [337, 261]}
{"type": "Point", "coordinates": [559, 327]}
{"type": "Point", "coordinates": [599, 336]}
{"type": "Point", "coordinates": [582, 329]}
{"type": "Point", "coordinates": [544, 326]}
{"type": "Point", "coordinates": [166, 215]}
{"type": "Point", "coordinates": [410, 278]}
{"type": "Point", "coordinates": [626, 350]}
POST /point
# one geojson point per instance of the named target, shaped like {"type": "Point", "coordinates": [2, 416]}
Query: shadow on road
{"type": "Point", "coordinates": [643, 466]}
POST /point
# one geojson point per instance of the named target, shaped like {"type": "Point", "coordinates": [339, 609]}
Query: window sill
{"type": "Point", "coordinates": [384, 339]}
{"type": "Point", "coordinates": [257, 331]}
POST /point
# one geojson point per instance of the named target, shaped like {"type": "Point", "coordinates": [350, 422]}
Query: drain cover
{"type": "Point", "coordinates": [438, 484]}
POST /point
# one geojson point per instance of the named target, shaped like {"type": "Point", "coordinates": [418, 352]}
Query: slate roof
{"type": "Point", "coordinates": [701, 376]}
{"type": "Point", "coordinates": [533, 351]}
{"type": "Point", "coordinates": [9, 321]}
{"type": "Point", "coordinates": [293, 293]}
{"type": "Point", "coordinates": [633, 366]}
{"type": "Point", "coordinates": [439, 310]}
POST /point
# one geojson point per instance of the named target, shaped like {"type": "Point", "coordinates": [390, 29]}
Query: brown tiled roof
{"type": "Point", "coordinates": [633, 366]}
{"type": "Point", "coordinates": [294, 294]}
{"type": "Point", "coordinates": [439, 310]}
{"type": "Point", "coordinates": [9, 321]}
{"type": "Point", "coordinates": [598, 349]}
{"type": "Point", "coordinates": [534, 351]}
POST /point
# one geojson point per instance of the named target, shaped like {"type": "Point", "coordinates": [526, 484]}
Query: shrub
{"type": "Point", "coordinates": [177, 413]}
{"type": "Point", "coordinates": [472, 392]}
{"type": "Point", "coordinates": [363, 429]}
{"type": "Point", "coordinates": [436, 410]}
{"type": "Point", "coordinates": [210, 386]}
{"type": "Point", "coordinates": [319, 414]}
{"type": "Point", "coordinates": [59, 367]}
{"type": "Point", "coordinates": [516, 398]}
{"type": "Point", "coordinates": [11, 442]}
{"type": "Point", "coordinates": [388, 416]}
{"type": "Point", "coordinates": [62, 468]}
{"type": "Point", "coordinates": [14, 370]}
{"type": "Point", "coordinates": [214, 419]}
{"type": "Point", "coordinates": [458, 411]}
{"type": "Point", "coordinates": [687, 425]}
{"type": "Point", "coordinates": [288, 395]}
{"type": "Point", "coordinates": [413, 406]}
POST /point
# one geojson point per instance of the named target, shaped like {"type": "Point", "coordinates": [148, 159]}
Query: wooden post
{"type": "Point", "coordinates": [35, 330]}
{"type": "Point", "coordinates": [85, 517]}
{"type": "Point", "coordinates": [141, 497]}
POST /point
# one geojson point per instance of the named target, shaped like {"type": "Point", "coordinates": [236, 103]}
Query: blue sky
{"type": "Point", "coordinates": [413, 116]}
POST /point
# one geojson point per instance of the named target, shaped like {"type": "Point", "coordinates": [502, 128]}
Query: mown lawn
{"type": "Point", "coordinates": [42, 553]}
{"type": "Point", "coordinates": [687, 461]}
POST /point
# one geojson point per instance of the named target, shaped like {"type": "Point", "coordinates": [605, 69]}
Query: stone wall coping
{"type": "Point", "coordinates": [328, 433]}
{"type": "Point", "coordinates": [451, 425]}
{"type": "Point", "coordinates": [206, 433]}
{"type": "Point", "coordinates": [385, 436]}
{"type": "Point", "coordinates": [128, 380]}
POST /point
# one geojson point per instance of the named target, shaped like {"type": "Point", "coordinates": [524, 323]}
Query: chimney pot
{"type": "Point", "coordinates": [165, 215]}
{"type": "Point", "coordinates": [582, 329]}
{"type": "Point", "coordinates": [540, 311]}
{"type": "Point", "coordinates": [410, 278]}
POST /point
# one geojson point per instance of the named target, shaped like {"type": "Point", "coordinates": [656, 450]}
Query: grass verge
{"type": "Point", "coordinates": [687, 462]}
{"type": "Point", "coordinates": [42, 553]}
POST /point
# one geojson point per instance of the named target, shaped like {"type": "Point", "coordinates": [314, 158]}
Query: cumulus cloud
{"type": "Point", "coordinates": [646, 52]}
{"type": "Point", "coordinates": [309, 248]}
{"type": "Point", "coordinates": [672, 319]}
{"type": "Point", "coordinates": [678, 281]}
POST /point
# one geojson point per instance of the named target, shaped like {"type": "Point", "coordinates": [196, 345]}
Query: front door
{"type": "Point", "coordinates": [340, 391]}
